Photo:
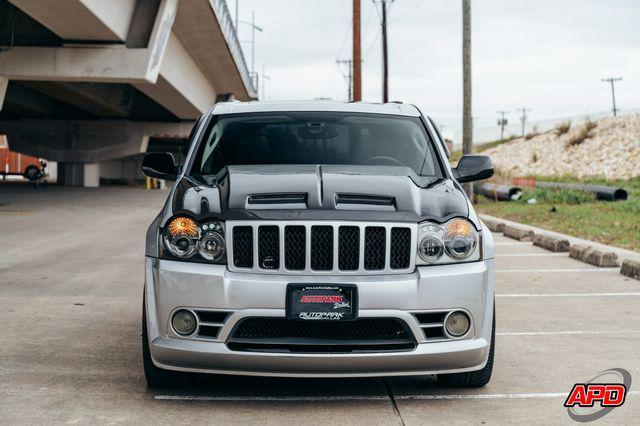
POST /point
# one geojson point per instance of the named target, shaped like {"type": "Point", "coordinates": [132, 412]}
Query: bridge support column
{"type": "Point", "coordinates": [79, 174]}
{"type": "Point", "coordinates": [4, 84]}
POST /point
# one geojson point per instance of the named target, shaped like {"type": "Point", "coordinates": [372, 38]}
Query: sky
{"type": "Point", "coordinates": [545, 55]}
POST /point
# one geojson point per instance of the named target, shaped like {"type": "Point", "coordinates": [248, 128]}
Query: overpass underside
{"type": "Point", "coordinates": [92, 84]}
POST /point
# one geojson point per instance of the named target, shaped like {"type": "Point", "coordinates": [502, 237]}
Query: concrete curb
{"type": "Point", "coordinates": [493, 225]}
{"type": "Point", "coordinates": [630, 268]}
{"type": "Point", "coordinates": [599, 253]}
{"type": "Point", "coordinates": [551, 243]}
{"type": "Point", "coordinates": [592, 256]}
{"type": "Point", "coordinates": [517, 233]}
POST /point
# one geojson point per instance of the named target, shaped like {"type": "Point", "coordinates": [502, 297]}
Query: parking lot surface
{"type": "Point", "coordinates": [71, 281]}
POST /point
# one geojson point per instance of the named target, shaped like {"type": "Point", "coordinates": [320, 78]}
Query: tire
{"type": "Point", "coordinates": [32, 173]}
{"type": "Point", "coordinates": [473, 379]}
{"type": "Point", "coordinates": [155, 376]}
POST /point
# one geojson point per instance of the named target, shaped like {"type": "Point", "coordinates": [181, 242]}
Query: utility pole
{"type": "Point", "coordinates": [613, 91]}
{"type": "Point", "coordinates": [349, 64]}
{"type": "Point", "coordinates": [357, 53]}
{"type": "Point", "coordinates": [523, 117]}
{"type": "Point", "coordinates": [467, 120]}
{"type": "Point", "coordinates": [385, 55]}
{"type": "Point", "coordinates": [502, 121]}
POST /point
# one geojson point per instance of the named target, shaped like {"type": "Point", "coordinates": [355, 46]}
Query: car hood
{"type": "Point", "coordinates": [313, 192]}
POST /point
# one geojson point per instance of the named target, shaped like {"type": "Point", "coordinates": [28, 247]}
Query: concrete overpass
{"type": "Point", "coordinates": [93, 83]}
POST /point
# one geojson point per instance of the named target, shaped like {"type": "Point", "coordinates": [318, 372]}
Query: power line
{"type": "Point", "coordinates": [416, 5]}
{"type": "Point", "coordinates": [336, 66]}
{"type": "Point", "coordinates": [368, 21]}
{"type": "Point", "coordinates": [372, 45]}
{"type": "Point", "coordinates": [264, 90]}
{"type": "Point", "coordinates": [349, 76]}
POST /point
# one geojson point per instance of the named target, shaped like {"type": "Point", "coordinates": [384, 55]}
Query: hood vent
{"type": "Point", "coordinates": [278, 200]}
{"type": "Point", "coordinates": [365, 202]}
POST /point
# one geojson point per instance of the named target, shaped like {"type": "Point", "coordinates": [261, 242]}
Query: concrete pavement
{"type": "Point", "coordinates": [71, 274]}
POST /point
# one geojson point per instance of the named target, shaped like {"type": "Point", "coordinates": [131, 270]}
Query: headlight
{"type": "Point", "coordinates": [460, 238]}
{"type": "Point", "coordinates": [184, 238]}
{"type": "Point", "coordinates": [431, 248]}
{"type": "Point", "coordinates": [456, 238]}
{"type": "Point", "coordinates": [211, 246]}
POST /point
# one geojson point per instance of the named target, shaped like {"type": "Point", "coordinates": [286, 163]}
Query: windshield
{"type": "Point", "coordinates": [316, 138]}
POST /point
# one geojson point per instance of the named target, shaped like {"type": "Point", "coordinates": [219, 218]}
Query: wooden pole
{"type": "Point", "coordinates": [357, 53]}
{"type": "Point", "coordinates": [385, 56]}
{"type": "Point", "coordinates": [467, 120]}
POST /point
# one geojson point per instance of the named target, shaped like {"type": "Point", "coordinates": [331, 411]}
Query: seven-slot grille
{"type": "Point", "coordinates": [321, 247]}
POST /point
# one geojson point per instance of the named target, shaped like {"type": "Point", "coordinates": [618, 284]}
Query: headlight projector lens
{"type": "Point", "coordinates": [460, 239]}
{"type": "Point", "coordinates": [184, 322]}
{"type": "Point", "coordinates": [457, 324]}
{"type": "Point", "coordinates": [211, 246]}
{"type": "Point", "coordinates": [431, 248]}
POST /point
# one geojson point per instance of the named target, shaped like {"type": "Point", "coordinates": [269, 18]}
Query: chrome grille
{"type": "Point", "coordinates": [321, 247]}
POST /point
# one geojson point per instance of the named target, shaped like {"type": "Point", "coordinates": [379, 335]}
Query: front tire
{"type": "Point", "coordinates": [473, 379]}
{"type": "Point", "coordinates": [155, 376]}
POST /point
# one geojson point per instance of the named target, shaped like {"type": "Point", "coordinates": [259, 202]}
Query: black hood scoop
{"type": "Point", "coordinates": [313, 192]}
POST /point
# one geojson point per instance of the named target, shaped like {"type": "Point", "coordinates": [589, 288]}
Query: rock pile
{"type": "Point", "coordinates": [611, 151]}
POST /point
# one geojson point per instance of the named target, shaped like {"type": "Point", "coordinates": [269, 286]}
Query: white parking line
{"type": "Point", "coordinates": [532, 255]}
{"type": "Point", "coordinates": [366, 398]}
{"type": "Point", "coordinates": [495, 396]}
{"type": "Point", "coordinates": [569, 295]}
{"type": "Point", "coordinates": [510, 243]}
{"type": "Point", "coordinates": [272, 398]}
{"type": "Point", "coordinates": [560, 270]}
{"type": "Point", "coordinates": [564, 333]}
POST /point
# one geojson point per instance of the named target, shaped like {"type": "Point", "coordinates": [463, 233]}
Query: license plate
{"type": "Point", "coordinates": [322, 302]}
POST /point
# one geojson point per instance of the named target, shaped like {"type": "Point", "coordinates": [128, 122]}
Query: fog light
{"type": "Point", "coordinates": [184, 322]}
{"type": "Point", "coordinates": [457, 324]}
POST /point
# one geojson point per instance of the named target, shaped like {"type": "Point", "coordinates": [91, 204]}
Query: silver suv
{"type": "Point", "coordinates": [318, 239]}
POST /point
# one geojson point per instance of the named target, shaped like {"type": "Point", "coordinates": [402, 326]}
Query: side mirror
{"type": "Point", "coordinates": [473, 167]}
{"type": "Point", "coordinates": [160, 165]}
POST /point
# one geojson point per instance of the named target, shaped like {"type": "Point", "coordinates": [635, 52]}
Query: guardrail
{"type": "Point", "coordinates": [230, 35]}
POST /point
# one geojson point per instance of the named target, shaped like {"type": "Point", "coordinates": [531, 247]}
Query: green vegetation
{"type": "Point", "coordinates": [583, 133]}
{"type": "Point", "coordinates": [457, 154]}
{"type": "Point", "coordinates": [577, 213]}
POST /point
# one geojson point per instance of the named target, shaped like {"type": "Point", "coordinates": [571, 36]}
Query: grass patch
{"type": "Point", "coordinates": [562, 128]}
{"type": "Point", "coordinates": [493, 144]}
{"type": "Point", "coordinates": [581, 134]}
{"type": "Point", "coordinates": [557, 196]}
{"type": "Point", "coordinates": [577, 213]}
{"type": "Point", "coordinates": [456, 155]}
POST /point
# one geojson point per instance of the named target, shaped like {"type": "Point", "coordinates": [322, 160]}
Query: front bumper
{"type": "Point", "coordinates": [171, 285]}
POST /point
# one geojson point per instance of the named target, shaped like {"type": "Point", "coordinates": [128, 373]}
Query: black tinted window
{"type": "Point", "coordinates": [316, 138]}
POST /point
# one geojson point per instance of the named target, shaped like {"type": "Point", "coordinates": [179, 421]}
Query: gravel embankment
{"type": "Point", "coordinates": [612, 151]}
